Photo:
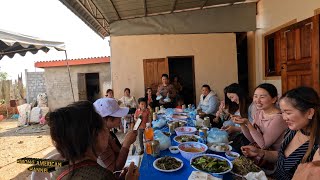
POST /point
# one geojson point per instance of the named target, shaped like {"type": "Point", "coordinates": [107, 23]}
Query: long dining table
{"type": "Point", "coordinates": [148, 172]}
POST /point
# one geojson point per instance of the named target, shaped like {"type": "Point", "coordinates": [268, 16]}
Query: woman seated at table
{"type": "Point", "coordinates": [236, 103]}
{"type": "Point", "coordinates": [128, 101]}
{"type": "Point", "coordinates": [209, 102]}
{"type": "Point", "coordinates": [300, 110]}
{"type": "Point", "coordinates": [152, 102]}
{"type": "Point", "coordinates": [80, 135]}
{"type": "Point", "coordinates": [115, 155]}
{"type": "Point", "coordinates": [268, 128]}
{"type": "Point", "coordinates": [167, 92]}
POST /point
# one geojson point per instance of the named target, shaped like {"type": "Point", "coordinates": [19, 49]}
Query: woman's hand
{"type": "Point", "coordinates": [251, 151]}
{"type": "Point", "coordinates": [239, 120]}
{"type": "Point", "coordinates": [129, 139]}
{"type": "Point", "coordinates": [307, 171]}
{"type": "Point", "coordinates": [229, 129]}
{"type": "Point", "coordinates": [133, 172]}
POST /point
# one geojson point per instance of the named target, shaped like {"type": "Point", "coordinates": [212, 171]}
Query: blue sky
{"type": "Point", "coordinates": [50, 20]}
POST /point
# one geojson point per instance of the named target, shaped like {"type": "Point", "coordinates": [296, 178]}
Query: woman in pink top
{"type": "Point", "coordinates": [268, 127]}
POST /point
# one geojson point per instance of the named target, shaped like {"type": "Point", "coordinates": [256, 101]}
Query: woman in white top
{"type": "Point", "coordinates": [129, 101]}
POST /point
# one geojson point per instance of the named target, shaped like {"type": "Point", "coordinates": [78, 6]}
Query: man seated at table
{"type": "Point", "coordinates": [209, 103]}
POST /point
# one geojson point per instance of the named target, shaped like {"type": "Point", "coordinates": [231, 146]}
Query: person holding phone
{"type": "Point", "coordinates": [115, 155]}
{"type": "Point", "coordinates": [80, 135]}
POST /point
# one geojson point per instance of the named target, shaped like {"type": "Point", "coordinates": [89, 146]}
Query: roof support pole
{"type": "Point", "coordinates": [65, 52]}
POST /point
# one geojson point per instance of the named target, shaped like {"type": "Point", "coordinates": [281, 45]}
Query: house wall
{"type": "Point", "coordinates": [272, 15]}
{"type": "Point", "coordinates": [35, 84]}
{"type": "Point", "coordinates": [215, 59]}
{"type": "Point", "coordinates": [58, 83]}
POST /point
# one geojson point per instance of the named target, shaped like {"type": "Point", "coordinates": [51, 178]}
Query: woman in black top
{"type": "Point", "coordinates": [300, 110]}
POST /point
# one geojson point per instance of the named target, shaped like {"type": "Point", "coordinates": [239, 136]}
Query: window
{"type": "Point", "coordinates": [272, 55]}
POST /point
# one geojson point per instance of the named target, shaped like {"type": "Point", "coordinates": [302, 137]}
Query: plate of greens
{"type": "Point", "coordinates": [168, 164]}
{"type": "Point", "coordinates": [211, 163]}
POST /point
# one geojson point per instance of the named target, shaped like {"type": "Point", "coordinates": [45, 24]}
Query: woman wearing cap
{"type": "Point", "coordinates": [115, 155]}
{"type": "Point", "coordinates": [80, 136]}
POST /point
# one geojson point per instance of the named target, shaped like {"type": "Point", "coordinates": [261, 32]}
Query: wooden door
{"type": "Point", "coordinates": [82, 87]}
{"type": "Point", "coordinates": [153, 69]}
{"type": "Point", "coordinates": [300, 55]}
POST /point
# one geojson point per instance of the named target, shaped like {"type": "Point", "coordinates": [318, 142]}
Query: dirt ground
{"type": "Point", "coordinates": [18, 142]}
{"type": "Point", "coordinates": [31, 141]}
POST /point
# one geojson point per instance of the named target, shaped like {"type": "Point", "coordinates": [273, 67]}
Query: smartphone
{"type": "Point", "coordinates": [137, 124]}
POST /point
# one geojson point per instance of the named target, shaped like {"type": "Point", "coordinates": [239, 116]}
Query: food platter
{"type": "Point", "coordinates": [168, 164]}
{"type": "Point", "coordinates": [211, 163]}
{"type": "Point", "coordinates": [220, 147]}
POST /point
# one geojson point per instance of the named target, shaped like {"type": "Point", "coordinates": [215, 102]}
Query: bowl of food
{"type": "Point", "coordinates": [242, 166]}
{"type": "Point", "coordinates": [191, 149]}
{"type": "Point", "coordinates": [220, 147]}
{"type": "Point", "coordinates": [168, 164]}
{"type": "Point", "coordinates": [180, 116]}
{"type": "Point", "coordinates": [185, 130]}
{"type": "Point", "coordinates": [186, 138]}
{"type": "Point", "coordinates": [232, 155]}
{"type": "Point", "coordinates": [211, 163]}
{"type": "Point", "coordinates": [174, 149]}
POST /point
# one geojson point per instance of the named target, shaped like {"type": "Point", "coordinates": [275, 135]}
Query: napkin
{"type": "Point", "coordinates": [256, 176]}
{"type": "Point", "coordinates": [197, 175]}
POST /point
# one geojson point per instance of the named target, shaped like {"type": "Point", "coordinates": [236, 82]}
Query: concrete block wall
{"type": "Point", "coordinates": [59, 87]}
{"type": "Point", "coordinates": [35, 84]}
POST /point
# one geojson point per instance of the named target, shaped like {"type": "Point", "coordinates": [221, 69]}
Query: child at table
{"type": "Point", "coordinates": [143, 113]}
{"type": "Point", "coordinates": [180, 102]}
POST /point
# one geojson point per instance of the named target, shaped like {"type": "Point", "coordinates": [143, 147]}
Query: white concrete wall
{"type": "Point", "coordinates": [58, 83]}
{"type": "Point", "coordinates": [273, 14]}
{"type": "Point", "coordinates": [215, 59]}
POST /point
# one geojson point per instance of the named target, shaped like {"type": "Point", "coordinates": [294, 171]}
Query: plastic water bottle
{"type": "Point", "coordinates": [202, 138]}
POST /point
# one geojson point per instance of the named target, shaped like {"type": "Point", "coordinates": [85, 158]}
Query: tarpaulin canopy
{"type": "Point", "coordinates": [12, 43]}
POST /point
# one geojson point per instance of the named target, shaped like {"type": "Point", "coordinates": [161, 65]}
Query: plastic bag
{"type": "Point", "coordinates": [159, 123]}
{"type": "Point", "coordinates": [216, 135]}
{"type": "Point", "coordinates": [164, 140]}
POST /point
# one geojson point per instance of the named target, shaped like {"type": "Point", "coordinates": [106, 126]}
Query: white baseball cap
{"type": "Point", "coordinates": [109, 107]}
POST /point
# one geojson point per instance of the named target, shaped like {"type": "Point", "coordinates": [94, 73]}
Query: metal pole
{"type": "Point", "coordinates": [65, 52]}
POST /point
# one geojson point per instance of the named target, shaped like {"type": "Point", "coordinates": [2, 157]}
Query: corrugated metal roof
{"type": "Point", "coordinates": [98, 14]}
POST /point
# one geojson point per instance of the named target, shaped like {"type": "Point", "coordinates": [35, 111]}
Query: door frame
{"type": "Point", "coordinates": [193, 73]}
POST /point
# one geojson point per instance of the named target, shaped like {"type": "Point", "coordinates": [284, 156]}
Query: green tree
{"type": "Point", "coordinates": [3, 76]}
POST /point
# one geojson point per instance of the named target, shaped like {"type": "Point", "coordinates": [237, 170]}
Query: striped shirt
{"type": "Point", "coordinates": [286, 166]}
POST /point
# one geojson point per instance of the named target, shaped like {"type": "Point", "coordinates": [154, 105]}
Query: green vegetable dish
{"type": "Point", "coordinates": [185, 138]}
{"type": "Point", "coordinates": [210, 164]}
{"type": "Point", "coordinates": [168, 163]}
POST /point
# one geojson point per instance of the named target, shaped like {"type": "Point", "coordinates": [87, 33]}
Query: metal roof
{"type": "Point", "coordinates": [99, 14]}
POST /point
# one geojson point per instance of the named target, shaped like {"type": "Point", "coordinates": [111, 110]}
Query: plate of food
{"type": "Point", "coordinates": [186, 138]}
{"type": "Point", "coordinates": [242, 166]}
{"type": "Point", "coordinates": [180, 116]}
{"type": "Point", "coordinates": [220, 147]}
{"type": "Point", "coordinates": [211, 163]}
{"type": "Point", "coordinates": [168, 164]}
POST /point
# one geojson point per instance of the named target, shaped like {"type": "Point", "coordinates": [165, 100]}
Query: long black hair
{"type": "Point", "coordinates": [74, 129]}
{"type": "Point", "coordinates": [304, 99]}
{"type": "Point", "coordinates": [244, 100]}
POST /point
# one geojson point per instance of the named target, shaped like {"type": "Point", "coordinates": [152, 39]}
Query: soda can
{"type": "Point", "coordinates": [171, 127]}
{"type": "Point", "coordinates": [206, 122]}
{"type": "Point", "coordinates": [204, 131]}
{"type": "Point", "coordinates": [154, 116]}
{"type": "Point", "coordinates": [155, 147]}
{"type": "Point", "coordinates": [156, 109]}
